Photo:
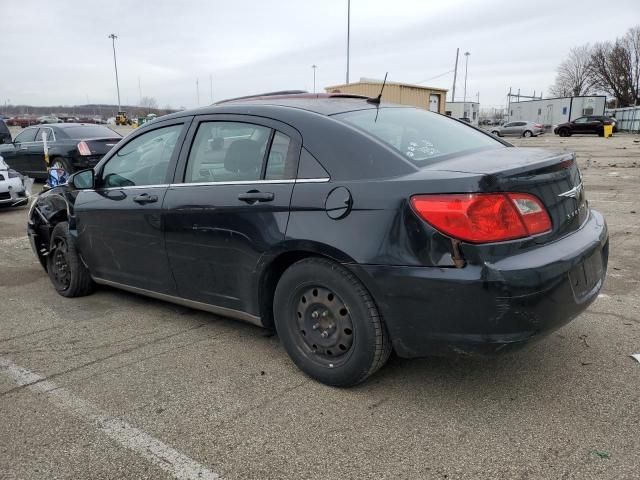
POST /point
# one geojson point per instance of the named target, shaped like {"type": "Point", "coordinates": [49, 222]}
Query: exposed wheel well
{"type": "Point", "coordinates": [270, 279]}
{"type": "Point", "coordinates": [43, 231]}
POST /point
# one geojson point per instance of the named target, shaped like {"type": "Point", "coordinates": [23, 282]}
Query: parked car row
{"type": "Point", "coordinates": [27, 121]}
{"type": "Point", "coordinates": [352, 228]}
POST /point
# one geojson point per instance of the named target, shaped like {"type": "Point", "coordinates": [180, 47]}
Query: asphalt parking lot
{"type": "Point", "coordinates": [120, 386]}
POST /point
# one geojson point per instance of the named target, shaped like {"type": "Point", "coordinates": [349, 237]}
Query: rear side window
{"type": "Point", "coordinates": [235, 152]}
{"type": "Point", "coordinates": [281, 161]}
{"type": "Point", "coordinates": [420, 136]}
{"type": "Point", "coordinates": [227, 152]}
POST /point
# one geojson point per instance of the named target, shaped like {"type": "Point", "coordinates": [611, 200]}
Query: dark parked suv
{"type": "Point", "coordinates": [591, 124]}
{"type": "Point", "coordinates": [350, 227]}
{"type": "Point", "coordinates": [5, 134]}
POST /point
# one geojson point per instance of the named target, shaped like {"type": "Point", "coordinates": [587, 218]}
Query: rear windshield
{"type": "Point", "coordinates": [419, 135]}
{"type": "Point", "coordinates": [90, 131]}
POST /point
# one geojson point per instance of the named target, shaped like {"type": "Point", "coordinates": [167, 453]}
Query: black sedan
{"type": "Point", "coordinates": [72, 147]}
{"type": "Point", "coordinates": [350, 227]}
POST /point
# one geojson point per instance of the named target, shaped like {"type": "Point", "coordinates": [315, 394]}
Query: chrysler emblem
{"type": "Point", "coordinates": [573, 193]}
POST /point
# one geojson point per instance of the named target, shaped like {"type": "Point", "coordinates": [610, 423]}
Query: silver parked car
{"type": "Point", "coordinates": [518, 129]}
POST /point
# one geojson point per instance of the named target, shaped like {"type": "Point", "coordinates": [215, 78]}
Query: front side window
{"type": "Point", "coordinates": [420, 136]}
{"type": "Point", "coordinates": [142, 161]}
{"type": "Point", "coordinates": [29, 135]}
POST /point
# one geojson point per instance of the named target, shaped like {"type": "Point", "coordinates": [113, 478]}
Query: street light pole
{"type": "Point", "coordinates": [348, 35]}
{"type": "Point", "coordinates": [466, 67]}
{"type": "Point", "coordinates": [314, 77]}
{"type": "Point", "coordinates": [113, 37]}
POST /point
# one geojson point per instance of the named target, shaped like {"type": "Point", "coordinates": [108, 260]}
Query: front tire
{"type": "Point", "coordinates": [329, 323]}
{"type": "Point", "coordinates": [496, 133]}
{"type": "Point", "coordinates": [68, 274]}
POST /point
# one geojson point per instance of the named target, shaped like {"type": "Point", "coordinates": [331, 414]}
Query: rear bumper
{"type": "Point", "coordinates": [484, 309]}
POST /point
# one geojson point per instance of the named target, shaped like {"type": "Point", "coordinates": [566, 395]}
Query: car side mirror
{"type": "Point", "coordinates": [82, 180]}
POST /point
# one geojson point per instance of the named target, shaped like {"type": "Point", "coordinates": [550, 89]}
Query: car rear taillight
{"type": "Point", "coordinates": [484, 217]}
{"type": "Point", "coordinates": [537, 125]}
{"type": "Point", "coordinates": [83, 148]}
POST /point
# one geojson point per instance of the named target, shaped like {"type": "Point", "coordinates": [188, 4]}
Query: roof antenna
{"type": "Point", "coordinates": [376, 100]}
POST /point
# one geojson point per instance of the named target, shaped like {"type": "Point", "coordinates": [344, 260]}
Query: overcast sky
{"type": "Point", "coordinates": [57, 52]}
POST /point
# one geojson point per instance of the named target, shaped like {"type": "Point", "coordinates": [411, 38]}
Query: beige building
{"type": "Point", "coordinates": [430, 98]}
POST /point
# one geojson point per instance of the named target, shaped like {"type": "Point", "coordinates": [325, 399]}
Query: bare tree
{"type": "Point", "coordinates": [615, 67]}
{"type": "Point", "coordinates": [149, 103]}
{"type": "Point", "coordinates": [574, 74]}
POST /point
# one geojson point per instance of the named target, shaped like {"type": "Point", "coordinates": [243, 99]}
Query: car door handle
{"type": "Point", "coordinates": [145, 198]}
{"type": "Point", "coordinates": [254, 196]}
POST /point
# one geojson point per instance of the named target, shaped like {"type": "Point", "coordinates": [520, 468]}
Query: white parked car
{"type": "Point", "coordinates": [15, 189]}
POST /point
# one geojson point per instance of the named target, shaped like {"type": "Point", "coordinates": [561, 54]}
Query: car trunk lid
{"type": "Point", "coordinates": [100, 146]}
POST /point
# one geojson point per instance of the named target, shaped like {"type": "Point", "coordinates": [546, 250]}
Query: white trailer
{"type": "Point", "coordinates": [553, 111]}
{"type": "Point", "coordinates": [470, 110]}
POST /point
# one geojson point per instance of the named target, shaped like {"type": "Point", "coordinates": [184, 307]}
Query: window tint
{"type": "Point", "coordinates": [227, 152]}
{"type": "Point", "coordinates": [581, 120]}
{"type": "Point", "coordinates": [281, 163]}
{"type": "Point", "coordinates": [142, 161]}
{"type": "Point", "coordinates": [29, 135]}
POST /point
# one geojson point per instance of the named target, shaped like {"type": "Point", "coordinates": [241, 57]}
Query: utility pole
{"type": "Point", "coordinates": [197, 93]}
{"type": "Point", "coordinates": [348, 35]}
{"type": "Point", "coordinates": [466, 67]}
{"type": "Point", "coordinates": [211, 87]}
{"type": "Point", "coordinates": [140, 91]}
{"type": "Point", "coordinates": [314, 77]}
{"type": "Point", "coordinates": [455, 75]}
{"type": "Point", "coordinates": [113, 37]}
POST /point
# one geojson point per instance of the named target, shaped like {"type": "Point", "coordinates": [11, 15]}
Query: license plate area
{"type": "Point", "coordinates": [586, 277]}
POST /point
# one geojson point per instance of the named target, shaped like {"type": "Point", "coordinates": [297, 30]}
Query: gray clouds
{"type": "Point", "coordinates": [57, 52]}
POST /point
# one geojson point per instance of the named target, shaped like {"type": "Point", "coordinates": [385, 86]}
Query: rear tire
{"type": "Point", "coordinates": [564, 132]}
{"type": "Point", "coordinates": [329, 323]}
{"type": "Point", "coordinates": [68, 274]}
{"type": "Point", "coordinates": [527, 133]}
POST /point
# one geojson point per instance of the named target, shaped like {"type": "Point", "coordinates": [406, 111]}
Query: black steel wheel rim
{"type": "Point", "coordinates": [60, 263]}
{"type": "Point", "coordinates": [323, 324]}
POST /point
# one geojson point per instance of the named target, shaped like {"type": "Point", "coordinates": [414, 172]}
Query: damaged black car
{"type": "Point", "coordinates": [352, 228]}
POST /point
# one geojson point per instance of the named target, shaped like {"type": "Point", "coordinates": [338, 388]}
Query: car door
{"type": "Point", "coordinates": [119, 223]}
{"type": "Point", "coordinates": [595, 124]}
{"type": "Point", "coordinates": [228, 206]}
{"type": "Point", "coordinates": [17, 155]}
{"type": "Point", "coordinates": [508, 128]}
{"type": "Point", "coordinates": [580, 125]}
{"type": "Point", "coordinates": [35, 152]}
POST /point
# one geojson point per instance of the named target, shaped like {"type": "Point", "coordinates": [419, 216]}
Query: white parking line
{"type": "Point", "coordinates": [161, 455]}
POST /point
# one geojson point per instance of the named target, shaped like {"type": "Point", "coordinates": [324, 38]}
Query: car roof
{"type": "Point", "coordinates": [323, 104]}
